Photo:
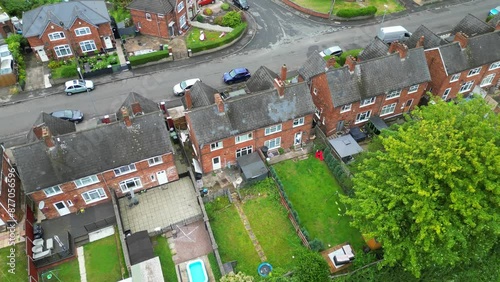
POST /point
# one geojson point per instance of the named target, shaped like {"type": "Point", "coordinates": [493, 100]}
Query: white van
{"type": "Point", "coordinates": [393, 33]}
{"type": "Point", "coordinates": [6, 66]}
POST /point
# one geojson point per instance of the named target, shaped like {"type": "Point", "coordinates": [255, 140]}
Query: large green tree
{"type": "Point", "coordinates": [431, 194]}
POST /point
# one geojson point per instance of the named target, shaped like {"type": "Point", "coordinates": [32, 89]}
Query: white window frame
{"type": "Point", "coordinates": [64, 47]}
{"type": "Point", "coordinates": [272, 129]}
{"type": "Point", "coordinates": [317, 112]}
{"type": "Point", "coordinates": [126, 169]}
{"type": "Point", "coordinates": [99, 192]}
{"type": "Point", "coordinates": [455, 77]}
{"type": "Point", "coordinates": [243, 138]}
{"type": "Point", "coordinates": [180, 6]}
{"type": "Point", "coordinates": [345, 108]}
{"type": "Point", "coordinates": [276, 143]}
{"type": "Point", "coordinates": [125, 188]}
{"type": "Point", "coordinates": [466, 86]}
{"type": "Point", "coordinates": [367, 102]}
{"type": "Point", "coordinates": [216, 146]}
{"type": "Point", "coordinates": [246, 150]}
{"type": "Point", "coordinates": [388, 109]}
{"type": "Point", "coordinates": [494, 66]}
{"type": "Point", "coordinates": [315, 91]}
{"type": "Point", "coordinates": [446, 94]}
{"type": "Point", "coordinates": [366, 115]}
{"type": "Point", "coordinates": [393, 94]}
{"type": "Point", "coordinates": [83, 46]}
{"type": "Point", "coordinates": [148, 17]}
{"type": "Point", "coordinates": [82, 31]}
{"type": "Point", "coordinates": [155, 161]}
{"type": "Point", "coordinates": [52, 191]}
{"type": "Point", "coordinates": [298, 121]}
{"type": "Point", "coordinates": [475, 71]}
{"type": "Point", "coordinates": [70, 203]}
{"type": "Point", "coordinates": [182, 21]}
{"type": "Point", "coordinates": [487, 80]}
{"type": "Point", "coordinates": [80, 182]}
{"type": "Point", "coordinates": [161, 15]}
{"type": "Point", "coordinates": [60, 35]}
{"type": "Point", "coordinates": [413, 88]}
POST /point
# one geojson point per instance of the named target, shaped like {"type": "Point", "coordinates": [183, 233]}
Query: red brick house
{"type": "Point", "coordinates": [160, 18]}
{"type": "Point", "coordinates": [72, 171]}
{"type": "Point", "coordinates": [349, 96]}
{"type": "Point", "coordinates": [59, 31]}
{"type": "Point", "coordinates": [223, 127]}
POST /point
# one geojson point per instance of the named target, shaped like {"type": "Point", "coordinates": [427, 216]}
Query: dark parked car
{"type": "Point", "coordinates": [242, 4]}
{"type": "Point", "coordinates": [236, 75]}
{"type": "Point", "coordinates": [70, 115]}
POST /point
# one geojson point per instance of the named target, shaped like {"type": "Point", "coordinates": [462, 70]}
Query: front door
{"type": "Point", "coordinates": [41, 53]}
{"type": "Point", "coordinates": [162, 177]}
{"type": "Point", "coordinates": [61, 207]}
{"type": "Point", "coordinates": [216, 163]}
{"type": "Point", "coordinates": [108, 44]}
{"type": "Point", "coordinates": [298, 138]}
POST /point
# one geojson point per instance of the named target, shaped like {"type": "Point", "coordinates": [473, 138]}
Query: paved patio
{"type": "Point", "coordinates": [158, 208]}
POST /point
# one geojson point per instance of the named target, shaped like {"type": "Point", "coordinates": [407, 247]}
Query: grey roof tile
{"type": "Point", "coordinates": [377, 48]}
{"type": "Point", "coordinates": [472, 26]}
{"type": "Point", "coordinates": [262, 79]}
{"type": "Point", "coordinates": [493, 21]}
{"type": "Point", "coordinates": [147, 105]}
{"type": "Point", "coordinates": [155, 6]}
{"type": "Point", "coordinates": [313, 66]}
{"type": "Point", "coordinates": [431, 40]}
{"type": "Point", "coordinates": [201, 95]}
{"type": "Point", "coordinates": [35, 21]}
{"type": "Point", "coordinates": [91, 151]}
{"type": "Point", "coordinates": [56, 126]}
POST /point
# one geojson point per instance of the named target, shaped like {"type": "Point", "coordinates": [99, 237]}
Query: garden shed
{"type": "Point", "coordinates": [375, 125]}
{"type": "Point", "coordinates": [252, 167]}
{"type": "Point", "coordinates": [139, 247]}
{"type": "Point", "coordinates": [345, 147]}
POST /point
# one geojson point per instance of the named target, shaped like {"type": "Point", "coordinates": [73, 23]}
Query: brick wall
{"type": "Point", "coordinates": [305, 10]}
{"type": "Point", "coordinates": [156, 26]}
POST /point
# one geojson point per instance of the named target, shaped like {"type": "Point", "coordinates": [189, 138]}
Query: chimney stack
{"type": "Point", "coordinates": [136, 108]}
{"type": "Point", "coordinates": [106, 119]}
{"type": "Point", "coordinates": [219, 102]}
{"type": "Point", "coordinates": [462, 39]}
{"type": "Point", "coordinates": [283, 73]}
{"type": "Point", "coordinates": [497, 25]}
{"type": "Point", "coordinates": [350, 61]}
{"type": "Point", "coordinates": [163, 107]}
{"type": "Point", "coordinates": [399, 47]}
{"type": "Point", "coordinates": [47, 137]}
{"type": "Point", "coordinates": [330, 63]}
{"type": "Point", "coordinates": [420, 42]}
{"type": "Point", "coordinates": [280, 86]}
{"type": "Point", "coordinates": [188, 99]}
{"type": "Point", "coordinates": [37, 130]}
{"type": "Point", "coordinates": [126, 116]}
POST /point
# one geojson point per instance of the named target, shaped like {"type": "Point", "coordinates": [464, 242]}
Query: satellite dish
{"type": "Point", "coordinates": [41, 205]}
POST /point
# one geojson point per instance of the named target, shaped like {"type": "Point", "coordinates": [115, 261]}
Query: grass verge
{"type": "Point", "coordinates": [323, 6]}
{"type": "Point", "coordinates": [162, 250]}
{"type": "Point", "coordinates": [20, 273]}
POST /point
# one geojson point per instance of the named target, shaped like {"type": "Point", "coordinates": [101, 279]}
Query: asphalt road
{"type": "Point", "coordinates": [282, 38]}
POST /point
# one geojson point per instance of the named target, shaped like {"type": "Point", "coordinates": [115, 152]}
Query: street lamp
{"type": "Point", "coordinates": [79, 72]}
{"type": "Point", "coordinates": [331, 9]}
{"type": "Point", "coordinates": [383, 18]}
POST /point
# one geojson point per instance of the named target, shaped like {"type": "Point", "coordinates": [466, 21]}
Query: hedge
{"type": "Point", "coordinates": [149, 57]}
{"type": "Point", "coordinates": [201, 46]}
{"type": "Point", "coordinates": [357, 12]}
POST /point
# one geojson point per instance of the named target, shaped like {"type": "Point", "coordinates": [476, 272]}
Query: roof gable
{"type": "Point", "coordinates": [56, 125]}
{"type": "Point", "coordinates": [262, 79]}
{"type": "Point", "coordinates": [431, 40]}
{"type": "Point", "coordinates": [147, 105]}
{"type": "Point", "coordinates": [376, 48]}
{"type": "Point", "coordinates": [472, 26]}
{"type": "Point", "coordinates": [155, 6]}
{"type": "Point", "coordinates": [201, 95]}
{"type": "Point", "coordinates": [313, 66]}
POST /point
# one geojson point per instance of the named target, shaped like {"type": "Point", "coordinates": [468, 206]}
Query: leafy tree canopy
{"type": "Point", "coordinates": [431, 195]}
{"type": "Point", "coordinates": [312, 267]}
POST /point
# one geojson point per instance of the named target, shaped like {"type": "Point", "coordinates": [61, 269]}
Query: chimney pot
{"type": "Point", "coordinates": [37, 130]}
{"type": "Point", "coordinates": [126, 117]}
{"type": "Point", "coordinates": [420, 42]}
{"type": "Point", "coordinates": [188, 99]}
{"type": "Point", "coordinates": [331, 62]}
{"type": "Point", "coordinates": [399, 47]}
{"type": "Point", "coordinates": [280, 86]}
{"type": "Point", "coordinates": [350, 62]}
{"type": "Point", "coordinates": [283, 72]}
{"type": "Point", "coordinates": [219, 102]}
{"type": "Point", "coordinates": [47, 137]}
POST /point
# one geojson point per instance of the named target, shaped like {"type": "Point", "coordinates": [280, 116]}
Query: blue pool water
{"type": "Point", "coordinates": [196, 271]}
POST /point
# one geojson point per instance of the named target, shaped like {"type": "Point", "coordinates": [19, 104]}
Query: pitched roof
{"type": "Point", "coordinates": [155, 6]}
{"type": "Point", "coordinates": [262, 79]}
{"type": "Point", "coordinates": [250, 112]}
{"type": "Point", "coordinates": [431, 40]}
{"type": "Point", "coordinates": [313, 66]}
{"type": "Point", "coordinates": [147, 105]}
{"type": "Point", "coordinates": [480, 50]}
{"type": "Point", "coordinates": [377, 76]}
{"type": "Point", "coordinates": [376, 48]}
{"type": "Point", "coordinates": [201, 95]}
{"type": "Point", "coordinates": [91, 151]}
{"type": "Point", "coordinates": [493, 21]}
{"type": "Point", "coordinates": [56, 126]}
{"type": "Point", "coordinates": [35, 21]}
{"type": "Point", "coordinates": [472, 26]}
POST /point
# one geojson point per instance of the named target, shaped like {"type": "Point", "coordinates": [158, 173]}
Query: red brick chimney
{"type": "Point", "coordinates": [136, 108]}
{"type": "Point", "coordinates": [163, 107]}
{"type": "Point", "coordinates": [462, 39]}
{"type": "Point", "coordinates": [350, 61]}
{"type": "Point", "coordinates": [280, 86]}
{"type": "Point", "coordinates": [399, 47]}
{"type": "Point", "coordinates": [497, 26]}
{"type": "Point", "coordinates": [126, 117]}
{"type": "Point", "coordinates": [47, 137]}
{"type": "Point", "coordinates": [283, 73]}
{"type": "Point", "coordinates": [37, 130]}
{"type": "Point", "coordinates": [420, 42]}
{"type": "Point", "coordinates": [106, 119]}
{"type": "Point", "coordinates": [219, 102]}
{"type": "Point", "coordinates": [331, 62]}
{"type": "Point", "coordinates": [188, 99]}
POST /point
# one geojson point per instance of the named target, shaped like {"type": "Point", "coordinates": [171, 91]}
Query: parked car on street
{"type": "Point", "coordinates": [236, 75]}
{"type": "Point", "coordinates": [205, 2]}
{"type": "Point", "coordinates": [77, 86]}
{"type": "Point", "coordinates": [331, 51]}
{"type": "Point", "coordinates": [69, 115]}
{"type": "Point", "coordinates": [180, 88]}
{"type": "Point", "coordinates": [242, 4]}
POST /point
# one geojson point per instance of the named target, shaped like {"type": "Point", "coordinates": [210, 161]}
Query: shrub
{"type": "Point", "coordinates": [353, 52]}
{"type": "Point", "coordinates": [208, 12]}
{"type": "Point", "coordinates": [200, 18]}
{"type": "Point", "coordinates": [316, 245]}
{"type": "Point", "coordinates": [304, 231]}
{"type": "Point", "coordinates": [231, 19]}
{"type": "Point", "coordinates": [281, 151]}
{"type": "Point", "coordinates": [68, 70]}
{"type": "Point", "coordinates": [357, 12]}
{"type": "Point", "coordinates": [54, 64]}
{"type": "Point", "coordinates": [218, 20]}
{"type": "Point", "coordinates": [225, 6]}
{"type": "Point", "coordinates": [146, 58]}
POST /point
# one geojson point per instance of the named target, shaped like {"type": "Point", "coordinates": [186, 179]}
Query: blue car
{"type": "Point", "coordinates": [236, 75]}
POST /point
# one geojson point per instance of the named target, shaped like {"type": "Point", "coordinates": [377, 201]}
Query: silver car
{"type": "Point", "coordinates": [181, 87]}
{"type": "Point", "coordinates": [332, 51]}
{"type": "Point", "coordinates": [77, 86]}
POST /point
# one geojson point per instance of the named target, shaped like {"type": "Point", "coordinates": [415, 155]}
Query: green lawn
{"type": "Point", "coordinates": [323, 6]}
{"type": "Point", "coordinates": [20, 268]}
{"type": "Point", "coordinates": [162, 250]}
{"type": "Point", "coordinates": [231, 236]}
{"type": "Point", "coordinates": [104, 260]}
{"type": "Point", "coordinates": [214, 266]}
{"type": "Point", "coordinates": [68, 271]}
{"type": "Point", "coordinates": [313, 192]}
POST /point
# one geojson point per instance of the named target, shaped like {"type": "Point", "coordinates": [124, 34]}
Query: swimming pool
{"type": "Point", "coordinates": [196, 271]}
